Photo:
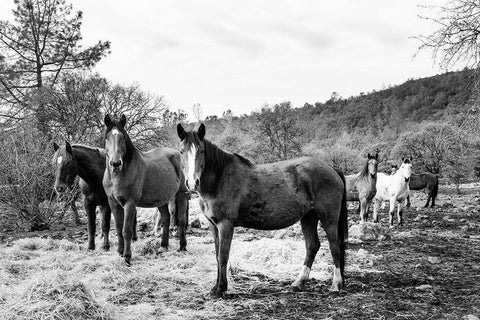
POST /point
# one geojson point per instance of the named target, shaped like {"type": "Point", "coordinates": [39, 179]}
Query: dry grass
{"type": "Point", "coordinates": [428, 269]}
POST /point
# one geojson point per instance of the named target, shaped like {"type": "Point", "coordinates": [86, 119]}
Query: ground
{"type": "Point", "coordinates": [427, 269]}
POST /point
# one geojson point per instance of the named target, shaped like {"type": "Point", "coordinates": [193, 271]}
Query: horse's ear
{"type": "Point", "coordinates": [181, 132]}
{"type": "Point", "coordinates": [201, 131]}
{"type": "Point", "coordinates": [376, 156]}
{"type": "Point", "coordinates": [107, 120]}
{"type": "Point", "coordinates": [68, 147]}
{"type": "Point", "coordinates": [411, 159]}
{"type": "Point", "coordinates": [368, 156]}
{"type": "Point", "coordinates": [123, 121]}
{"type": "Point", "coordinates": [403, 159]}
{"type": "Point", "coordinates": [55, 146]}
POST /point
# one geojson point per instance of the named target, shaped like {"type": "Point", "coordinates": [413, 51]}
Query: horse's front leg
{"type": "Point", "coordinates": [181, 204]}
{"type": "Point", "coordinates": [376, 208]}
{"type": "Point", "coordinates": [214, 232]}
{"type": "Point", "coordinates": [106, 217]}
{"type": "Point", "coordinates": [363, 210]}
{"type": "Point", "coordinates": [225, 235]}
{"type": "Point", "coordinates": [91, 217]}
{"type": "Point", "coordinates": [401, 205]}
{"type": "Point", "coordinates": [128, 226]}
{"type": "Point", "coordinates": [118, 213]}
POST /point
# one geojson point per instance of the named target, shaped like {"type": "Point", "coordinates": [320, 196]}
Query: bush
{"type": "Point", "coordinates": [26, 178]}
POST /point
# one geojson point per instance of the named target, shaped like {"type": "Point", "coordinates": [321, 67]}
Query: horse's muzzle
{"type": "Point", "coordinates": [116, 165]}
{"type": "Point", "coordinates": [373, 175]}
{"type": "Point", "coordinates": [407, 179]}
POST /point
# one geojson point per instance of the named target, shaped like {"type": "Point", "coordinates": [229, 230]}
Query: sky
{"type": "Point", "coordinates": [241, 55]}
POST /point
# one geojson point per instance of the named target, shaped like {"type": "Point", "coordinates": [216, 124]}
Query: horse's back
{"type": "Point", "coordinates": [423, 180]}
{"type": "Point", "coordinates": [162, 176]}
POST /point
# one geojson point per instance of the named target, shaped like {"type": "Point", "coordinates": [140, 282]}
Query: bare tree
{"type": "Point", "coordinates": [458, 35]}
{"type": "Point", "coordinates": [197, 112]}
{"type": "Point", "coordinates": [278, 130]}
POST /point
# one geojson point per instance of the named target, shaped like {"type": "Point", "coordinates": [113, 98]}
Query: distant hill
{"type": "Point", "coordinates": [434, 98]}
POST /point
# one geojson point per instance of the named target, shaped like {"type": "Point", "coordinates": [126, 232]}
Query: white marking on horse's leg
{"type": "Point", "coordinates": [156, 229]}
{"type": "Point", "coordinates": [337, 281]}
{"type": "Point", "coordinates": [303, 275]}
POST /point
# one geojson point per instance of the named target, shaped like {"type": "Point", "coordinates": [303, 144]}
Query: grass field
{"type": "Point", "coordinates": [428, 269]}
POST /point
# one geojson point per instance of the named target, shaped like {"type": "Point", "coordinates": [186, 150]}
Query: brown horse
{"type": "Point", "coordinates": [234, 192]}
{"type": "Point", "coordinates": [424, 180]}
{"type": "Point", "coordinates": [362, 186]}
{"type": "Point", "coordinates": [89, 164]}
{"type": "Point", "coordinates": [141, 179]}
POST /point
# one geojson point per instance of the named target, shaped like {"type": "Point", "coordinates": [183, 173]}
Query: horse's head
{"type": "Point", "coordinates": [406, 169]}
{"type": "Point", "coordinates": [372, 165]}
{"type": "Point", "coordinates": [192, 148]}
{"type": "Point", "coordinates": [66, 168]}
{"type": "Point", "coordinates": [115, 142]}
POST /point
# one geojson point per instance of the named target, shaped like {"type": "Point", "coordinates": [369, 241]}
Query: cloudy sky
{"type": "Point", "coordinates": [242, 54]}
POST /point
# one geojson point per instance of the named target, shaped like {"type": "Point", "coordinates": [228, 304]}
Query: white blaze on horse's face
{"type": "Point", "coordinates": [115, 147]}
{"type": "Point", "coordinates": [59, 159]}
{"type": "Point", "coordinates": [191, 160]}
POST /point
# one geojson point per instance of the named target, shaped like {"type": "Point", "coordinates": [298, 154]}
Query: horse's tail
{"type": "Point", "coordinates": [343, 223]}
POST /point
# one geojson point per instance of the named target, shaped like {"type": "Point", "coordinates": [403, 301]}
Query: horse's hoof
{"type": "Point", "coordinates": [215, 293]}
{"type": "Point", "coordinates": [91, 247]}
{"type": "Point", "coordinates": [106, 247]}
{"type": "Point", "coordinates": [128, 263]}
{"type": "Point", "coordinates": [182, 249]}
{"type": "Point", "coordinates": [162, 250]}
{"type": "Point", "coordinates": [295, 289]}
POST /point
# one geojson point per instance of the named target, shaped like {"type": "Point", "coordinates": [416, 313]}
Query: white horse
{"type": "Point", "coordinates": [393, 188]}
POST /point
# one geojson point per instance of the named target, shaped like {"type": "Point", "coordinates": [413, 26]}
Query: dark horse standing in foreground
{"type": "Point", "coordinates": [362, 186]}
{"type": "Point", "coordinates": [89, 164]}
{"type": "Point", "coordinates": [424, 180]}
{"type": "Point", "coordinates": [234, 192]}
{"type": "Point", "coordinates": [141, 179]}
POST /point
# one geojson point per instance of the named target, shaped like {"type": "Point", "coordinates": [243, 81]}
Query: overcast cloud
{"type": "Point", "coordinates": [240, 55]}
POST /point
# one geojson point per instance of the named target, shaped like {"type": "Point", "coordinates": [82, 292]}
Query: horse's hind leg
{"type": "Point", "coordinates": [106, 217]}
{"type": "Point", "coordinates": [165, 222]}
{"type": "Point", "coordinates": [309, 224]}
{"type": "Point", "coordinates": [334, 243]}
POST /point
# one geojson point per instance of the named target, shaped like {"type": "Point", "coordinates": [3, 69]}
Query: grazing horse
{"type": "Point", "coordinates": [395, 189]}
{"type": "Point", "coordinates": [424, 180]}
{"type": "Point", "coordinates": [362, 186]}
{"type": "Point", "coordinates": [89, 164]}
{"type": "Point", "coordinates": [234, 192]}
{"type": "Point", "coordinates": [141, 179]}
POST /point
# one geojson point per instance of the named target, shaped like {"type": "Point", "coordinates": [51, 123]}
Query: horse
{"type": "Point", "coordinates": [395, 189]}
{"type": "Point", "coordinates": [424, 180]}
{"type": "Point", "coordinates": [235, 192]}
{"type": "Point", "coordinates": [362, 186]}
{"type": "Point", "coordinates": [89, 164]}
{"type": "Point", "coordinates": [134, 178]}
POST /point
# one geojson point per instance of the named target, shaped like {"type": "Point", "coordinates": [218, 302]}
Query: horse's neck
{"type": "Point", "coordinates": [91, 164]}
{"type": "Point", "coordinates": [216, 161]}
{"type": "Point", "coordinates": [398, 176]}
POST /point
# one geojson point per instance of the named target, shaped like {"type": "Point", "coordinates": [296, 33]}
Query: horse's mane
{"type": "Point", "coordinates": [219, 159]}
{"type": "Point", "coordinates": [364, 171]}
{"type": "Point", "coordinates": [215, 158]}
{"type": "Point", "coordinates": [128, 142]}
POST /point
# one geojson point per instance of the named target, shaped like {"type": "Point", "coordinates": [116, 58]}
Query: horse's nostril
{"type": "Point", "coordinates": [197, 182]}
{"type": "Point", "coordinates": [115, 164]}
